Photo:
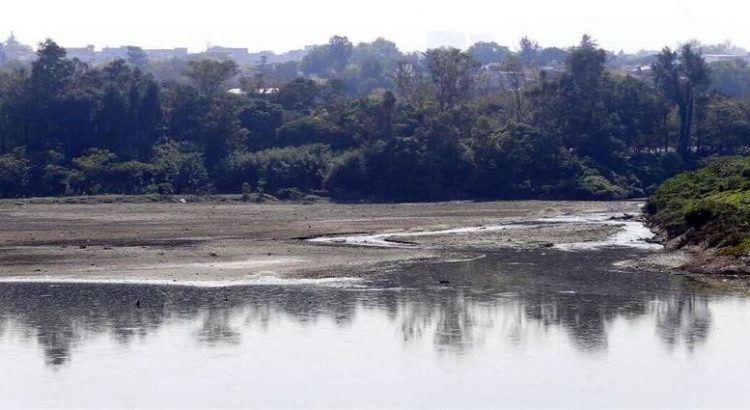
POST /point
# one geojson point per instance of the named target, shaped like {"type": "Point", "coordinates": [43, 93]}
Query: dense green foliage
{"type": "Point", "coordinates": [366, 121]}
{"type": "Point", "coordinates": [708, 207]}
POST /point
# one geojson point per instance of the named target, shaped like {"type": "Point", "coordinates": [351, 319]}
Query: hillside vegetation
{"type": "Point", "coordinates": [709, 207]}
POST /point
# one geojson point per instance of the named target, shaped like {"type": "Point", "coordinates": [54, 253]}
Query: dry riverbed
{"type": "Point", "coordinates": [220, 242]}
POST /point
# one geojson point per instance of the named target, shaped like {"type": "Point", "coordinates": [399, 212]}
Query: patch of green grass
{"type": "Point", "coordinates": [738, 250]}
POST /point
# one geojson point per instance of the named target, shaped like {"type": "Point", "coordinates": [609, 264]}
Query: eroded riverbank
{"type": "Point", "coordinates": [204, 243]}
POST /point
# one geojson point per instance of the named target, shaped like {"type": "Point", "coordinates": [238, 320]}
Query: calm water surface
{"type": "Point", "coordinates": [515, 329]}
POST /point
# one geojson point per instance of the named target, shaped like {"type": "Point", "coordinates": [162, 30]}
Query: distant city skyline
{"type": "Point", "coordinates": [285, 25]}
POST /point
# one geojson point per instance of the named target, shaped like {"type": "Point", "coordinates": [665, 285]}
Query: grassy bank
{"type": "Point", "coordinates": [709, 208]}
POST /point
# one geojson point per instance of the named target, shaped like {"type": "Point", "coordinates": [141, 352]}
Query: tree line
{"type": "Point", "coordinates": [367, 122]}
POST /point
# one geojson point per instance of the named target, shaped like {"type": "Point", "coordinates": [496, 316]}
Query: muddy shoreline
{"type": "Point", "coordinates": [207, 242]}
{"type": "Point", "coordinates": [708, 267]}
{"type": "Point", "coordinates": [705, 265]}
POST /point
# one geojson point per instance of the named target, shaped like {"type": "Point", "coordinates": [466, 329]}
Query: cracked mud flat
{"type": "Point", "coordinates": [219, 244]}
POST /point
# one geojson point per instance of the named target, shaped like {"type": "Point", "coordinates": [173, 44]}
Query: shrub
{"type": "Point", "coordinates": [130, 177]}
{"type": "Point", "coordinates": [58, 180]}
{"type": "Point", "coordinates": [348, 176]}
{"type": "Point", "coordinates": [14, 174]}
{"type": "Point", "coordinates": [183, 171]}
{"type": "Point", "coordinates": [290, 194]}
{"type": "Point", "coordinates": [247, 190]}
{"type": "Point", "coordinates": [598, 187]}
{"type": "Point", "coordinates": [303, 168]}
{"type": "Point", "coordinates": [94, 168]}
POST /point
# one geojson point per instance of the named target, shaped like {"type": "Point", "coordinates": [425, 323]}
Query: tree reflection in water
{"type": "Point", "coordinates": [686, 319]}
{"type": "Point", "coordinates": [514, 293]}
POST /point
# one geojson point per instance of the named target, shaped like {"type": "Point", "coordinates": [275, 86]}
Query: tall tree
{"type": "Point", "coordinates": [51, 73]}
{"type": "Point", "coordinates": [328, 59]}
{"type": "Point", "coordinates": [515, 78]}
{"type": "Point", "coordinates": [137, 57]}
{"type": "Point", "coordinates": [40, 106]}
{"type": "Point", "coordinates": [586, 64]}
{"type": "Point", "coordinates": [112, 121]}
{"type": "Point", "coordinates": [339, 51]}
{"type": "Point", "coordinates": [489, 52]}
{"type": "Point", "coordinates": [148, 117]}
{"type": "Point", "coordinates": [410, 83]}
{"type": "Point", "coordinates": [452, 72]}
{"type": "Point", "coordinates": [210, 76]}
{"type": "Point", "coordinates": [682, 77]}
{"type": "Point", "coordinates": [528, 52]}
{"type": "Point", "coordinates": [381, 50]}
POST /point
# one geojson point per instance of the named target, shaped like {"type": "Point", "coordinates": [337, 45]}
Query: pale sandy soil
{"type": "Point", "coordinates": [235, 242]}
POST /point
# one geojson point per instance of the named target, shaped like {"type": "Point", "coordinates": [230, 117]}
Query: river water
{"type": "Point", "coordinates": [540, 328]}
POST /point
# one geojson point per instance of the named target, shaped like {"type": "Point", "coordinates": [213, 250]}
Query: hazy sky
{"type": "Point", "coordinates": [286, 24]}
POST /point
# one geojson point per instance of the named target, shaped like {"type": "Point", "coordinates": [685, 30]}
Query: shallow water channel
{"type": "Point", "coordinates": [539, 328]}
